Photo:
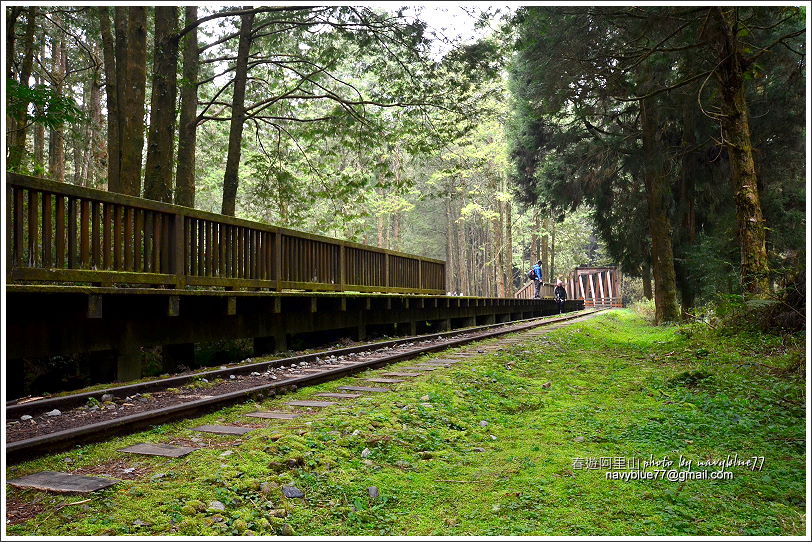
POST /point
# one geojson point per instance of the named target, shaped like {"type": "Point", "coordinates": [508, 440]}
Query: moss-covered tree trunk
{"type": "Point", "coordinates": [662, 255]}
{"type": "Point", "coordinates": [187, 125]}
{"type": "Point", "coordinates": [161, 138]}
{"type": "Point", "coordinates": [133, 93]}
{"type": "Point", "coordinates": [18, 126]}
{"type": "Point", "coordinates": [735, 121]}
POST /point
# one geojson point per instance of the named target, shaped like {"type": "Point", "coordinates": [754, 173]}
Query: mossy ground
{"type": "Point", "coordinates": [627, 388]}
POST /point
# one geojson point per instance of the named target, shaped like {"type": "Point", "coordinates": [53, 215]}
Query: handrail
{"type": "Point", "coordinates": [527, 291]}
{"type": "Point", "coordinates": [67, 233]}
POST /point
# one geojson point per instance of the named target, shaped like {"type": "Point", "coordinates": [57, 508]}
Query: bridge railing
{"type": "Point", "coordinates": [528, 290]}
{"type": "Point", "coordinates": [65, 233]}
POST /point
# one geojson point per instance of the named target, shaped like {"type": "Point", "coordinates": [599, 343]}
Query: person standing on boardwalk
{"type": "Point", "coordinates": [560, 296]}
{"type": "Point", "coordinates": [537, 275]}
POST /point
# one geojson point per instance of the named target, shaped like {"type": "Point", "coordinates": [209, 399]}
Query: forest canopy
{"type": "Point", "coordinates": [666, 140]}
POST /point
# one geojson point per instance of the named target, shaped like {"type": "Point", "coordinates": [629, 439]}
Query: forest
{"type": "Point", "coordinates": [667, 140]}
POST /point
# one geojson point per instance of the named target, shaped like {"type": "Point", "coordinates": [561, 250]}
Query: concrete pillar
{"type": "Point", "coordinates": [280, 341]}
{"type": "Point", "coordinates": [362, 331]}
{"type": "Point", "coordinates": [444, 324]}
{"type": "Point", "coordinates": [128, 362]}
{"type": "Point", "coordinates": [412, 327]}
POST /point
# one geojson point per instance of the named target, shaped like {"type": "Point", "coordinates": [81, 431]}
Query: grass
{"type": "Point", "coordinates": [618, 387]}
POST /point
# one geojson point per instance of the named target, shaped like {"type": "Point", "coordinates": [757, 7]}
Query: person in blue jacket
{"type": "Point", "coordinates": [537, 280]}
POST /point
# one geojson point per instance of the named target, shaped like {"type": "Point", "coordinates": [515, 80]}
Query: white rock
{"type": "Point", "coordinates": [232, 377]}
{"type": "Point", "coordinates": [366, 452]}
{"type": "Point", "coordinates": [54, 412]}
{"type": "Point", "coordinates": [25, 417]}
{"type": "Point", "coordinates": [483, 423]}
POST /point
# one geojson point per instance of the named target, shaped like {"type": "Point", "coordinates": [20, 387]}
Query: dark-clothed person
{"type": "Point", "coordinates": [560, 296]}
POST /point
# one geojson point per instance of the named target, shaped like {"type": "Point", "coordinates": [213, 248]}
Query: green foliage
{"type": "Point", "coordinates": [40, 105]}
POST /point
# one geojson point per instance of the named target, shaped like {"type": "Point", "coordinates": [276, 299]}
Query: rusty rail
{"type": "Point", "coordinates": [65, 233]}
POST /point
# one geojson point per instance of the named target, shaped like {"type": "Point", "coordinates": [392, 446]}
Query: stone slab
{"type": "Point", "coordinates": [310, 403]}
{"type": "Point", "coordinates": [443, 361]}
{"type": "Point", "coordinates": [401, 374]}
{"type": "Point", "coordinates": [62, 482]}
{"type": "Point", "coordinates": [223, 429]}
{"type": "Point", "coordinates": [384, 380]}
{"type": "Point", "coordinates": [163, 450]}
{"type": "Point", "coordinates": [418, 368]}
{"type": "Point", "coordinates": [338, 395]}
{"type": "Point", "coordinates": [274, 415]}
{"type": "Point", "coordinates": [363, 388]}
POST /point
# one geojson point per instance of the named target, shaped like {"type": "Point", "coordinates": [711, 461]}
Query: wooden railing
{"type": "Point", "coordinates": [65, 233]}
{"type": "Point", "coordinates": [528, 290]}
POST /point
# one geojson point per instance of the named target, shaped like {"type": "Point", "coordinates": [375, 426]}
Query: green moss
{"type": "Point", "coordinates": [618, 388]}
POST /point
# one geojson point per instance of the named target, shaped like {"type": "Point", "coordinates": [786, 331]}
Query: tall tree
{"type": "Point", "coordinates": [187, 127]}
{"type": "Point", "coordinates": [161, 138]}
{"type": "Point", "coordinates": [19, 125]}
{"type": "Point", "coordinates": [735, 122]}
{"type": "Point", "coordinates": [112, 94]}
{"type": "Point", "coordinates": [231, 176]}
{"type": "Point", "coordinates": [56, 140]}
{"type": "Point", "coordinates": [132, 61]}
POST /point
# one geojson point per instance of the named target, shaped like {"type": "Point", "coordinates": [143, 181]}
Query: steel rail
{"type": "Point", "coordinates": [52, 442]}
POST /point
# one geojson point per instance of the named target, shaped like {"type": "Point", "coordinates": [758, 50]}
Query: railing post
{"type": "Point", "coordinates": [177, 252]}
{"type": "Point", "coordinates": [386, 270]}
{"type": "Point", "coordinates": [342, 278]}
{"type": "Point", "coordinates": [420, 275]}
{"type": "Point", "coordinates": [11, 227]}
{"type": "Point", "coordinates": [277, 260]}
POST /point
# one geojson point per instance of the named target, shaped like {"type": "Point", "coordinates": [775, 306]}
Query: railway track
{"type": "Point", "coordinates": [238, 384]}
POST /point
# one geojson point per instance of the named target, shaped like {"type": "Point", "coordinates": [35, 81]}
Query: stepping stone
{"type": "Point", "coordinates": [401, 374]}
{"type": "Point", "coordinates": [310, 403]}
{"type": "Point", "coordinates": [338, 395]}
{"type": "Point", "coordinates": [363, 388]}
{"type": "Point", "coordinates": [274, 415]}
{"type": "Point", "coordinates": [62, 482]}
{"type": "Point", "coordinates": [223, 429]}
{"type": "Point", "coordinates": [384, 380]}
{"type": "Point", "coordinates": [163, 450]}
{"type": "Point", "coordinates": [292, 492]}
{"type": "Point", "coordinates": [442, 361]}
{"type": "Point", "coordinates": [419, 368]}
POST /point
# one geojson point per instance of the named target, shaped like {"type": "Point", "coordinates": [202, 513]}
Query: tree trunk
{"type": "Point", "coordinates": [507, 250]}
{"type": "Point", "coordinates": [735, 121]}
{"type": "Point", "coordinates": [79, 148]}
{"type": "Point", "coordinates": [132, 132]}
{"type": "Point", "coordinates": [18, 127]}
{"type": "Point", "coordinates": [687, 196]}
{"type": "Point", "coordinates": [646, 274]}
{"type": "Point", "coordinates": [39, 140]}
{"type": "Point", "coordinates": [187, 127]}
{"type": "Point", "coordinates": [231, 177]}
{"type": "Point", "coordinates": [449, 246]}
{"type": "Point", "coordinates": [112, 93]}
{"type": "Point", "coordinates": [161, 138]}
{"type": "Point", "coordinates": [94, 127]}
{"type": "Point", "coordinates": [544, 253]}
{"type": "Point", "coordinates": [56, 146]}
{"type": "Point", "coordinates": [665, 296]}
{"type": "Point", "coordinates": [552, 249]}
